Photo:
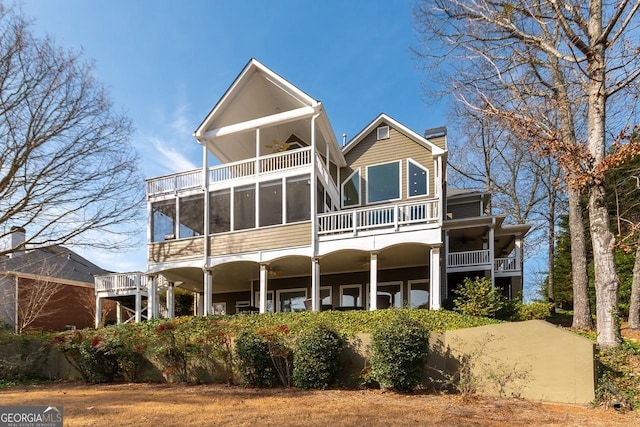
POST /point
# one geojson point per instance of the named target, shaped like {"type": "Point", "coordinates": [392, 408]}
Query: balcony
{"type": "Point", "coordinates": [121, 283]}
{"type": "Point", "coordinates": [481, 260]}
{"type": "Point", "coordinates": [385, 217]}
{"type": "Point", "coordinates": [189, 180]}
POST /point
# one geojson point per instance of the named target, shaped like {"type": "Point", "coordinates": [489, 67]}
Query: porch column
{"type": "Point", "coordinates": [519, 257]}
{"type": "Point", "coordinates": [434, 279]}
{"type": "Point", "coordinates": [152, 300]}
{"type": "Point", "coordinates": [263, 288]}
{"type": "Point", "coordinates": [373, 282]}
{"type": "Point", "coordinates": [138, 314]}
{"type": "Point", "coordinates": [118, 313]}
{"type": "Point", "coordinates": [199, 304]}
{"type": "Point", "coordinates": [171, 305]}
{"type": "Point", "coordinates": [98, 311]}
{"type": "Point", "coordinates": [315, 284]}
{"type": "Point", "coordinates": [208, 293]}
{"type": "Point", "coordinates": [492, 255]}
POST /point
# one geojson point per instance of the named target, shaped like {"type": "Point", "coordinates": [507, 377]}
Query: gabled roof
{"type": "Point", "coordinates": [248, 72]}
{"type": "Point", "coordinates": [54, 262]}
{"type": "Point", "coordinates": [383, 118]}
{"type": "Point", "coordinates": [260, 98]}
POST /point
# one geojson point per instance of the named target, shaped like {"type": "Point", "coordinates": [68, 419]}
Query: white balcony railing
{"type": "Point", "coordinates": [469, 258]}
{"type": "Point", "coordinates": [506, 264]}
{"type": "Point", "coordinates": [120, 282]}
{"type": "Point", "coordinates": [386, 216]}
{"type": "Point", "coordinates": [228, 171]}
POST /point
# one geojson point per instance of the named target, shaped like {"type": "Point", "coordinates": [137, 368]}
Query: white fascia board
{"type": "Point", "coordinates": [274, 119]}
{"type": "Point", "coordinates": [435, 150]}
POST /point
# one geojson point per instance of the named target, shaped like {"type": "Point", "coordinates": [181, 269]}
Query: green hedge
{"type": "Point", "coordinates": [316, 357]}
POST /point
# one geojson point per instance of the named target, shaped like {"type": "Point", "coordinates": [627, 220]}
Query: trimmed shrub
{"type": "Point", "coordinates": [536, 310]}
{"type": "Point", "coordinates": [400, 350]}
{"type": "Point", "coordinates": [477, 297]}
{"type": "Point", "coordinates": [316, 358]}
{"type": "Point", "coordinates": [253, 361]}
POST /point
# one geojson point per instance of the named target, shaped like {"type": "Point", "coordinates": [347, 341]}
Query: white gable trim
{"type": "Point", "coordinates": [252, 67]}
{"type": "Point", "coordinates": [383, 118]}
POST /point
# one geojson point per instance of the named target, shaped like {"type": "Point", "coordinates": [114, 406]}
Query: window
{"type": "Point", "coordinates": [383, 182]}
{"type": "Point", "coordinates": [417, 179]}
{"type": "Point", "coordinates": [219, 308]}
{"type": "Point", "coordinates": [389, 295]}
{"type": "Point", "coordinates": [351, 190]}
{"type": "Point", "coordinates": [270, 203]}
{"type": "Point", "coordinates": [351, 295]}
{"type": "Point", "coordinates": [382, 133]}
{"type": "Point", "coordinates": [191, 216]}
{"type": "Point", "coordinates": [220, 211]}
{"type": "Point", "coordinates": [163, 220]}
{"type": "Point", "coordinates": [269, 300]}
{"type": "Point", "coordinates": [419, 293]}
{"type": "Point", "coordinates": [325, 295]}
{"type": "Point", "coordinates": [298, 201]}
{"type": "Point", "coordinates": [244, 208]}
{"type": "Point", "coordinates": [291, 300]}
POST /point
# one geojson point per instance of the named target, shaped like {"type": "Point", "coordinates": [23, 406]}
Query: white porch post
{"type": "Point", "coordinates": [263, 288]}
{"type": "Point", "coordinates": [138, 314]}
{"type": "Point", "coordinates": [492, 255]}
{"type": "Point", "coordinates": [171, 305]}
{"type": "Point", "coordinates": [434, 279]}
{"type": "Point", "coordinates": [315, 284]}
{"type": "Point", "coordinates": [373, 282]}
{"type": "Point", "coordinates": [208, 293]}
{"type": "Point", "coordinates": [118, 313]}
{"type": "Point", "coordinates": [199, 304]}
{"type": "Point", "coordinates": [519, 257]}
{"type": "Point", "coordinates": [152, 301]}
{"type": "Point", "coordinates": [98, 311]}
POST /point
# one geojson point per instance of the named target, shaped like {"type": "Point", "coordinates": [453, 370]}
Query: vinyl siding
{"type": "Point", "coordinates": [174, 250]}
{"type": "Point", "coordinates": [398, 147]}
{"type": "Point", "coordinates": [261, 239]}
{"type": "Point", "coordinates": [464, 210]}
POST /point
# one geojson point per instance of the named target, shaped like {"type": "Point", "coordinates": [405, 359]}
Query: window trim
{"type": "Point", "coordinates": [330, 288]}
{"type": "Point", "coordinates": [362, 298]}
{"type": "Point", "coordinates": [409, 196]}
{"type": "Point", "coordinates": [419, 281]}
{"type": "Point", "coordinates": [359, 172]}
{"type": "Point", "coordinates": [383, 132]}
{"type": "Point", "coordinates": [393, 283]}
{"type": "Point", "coordinates": [280, 291]}
{"type": "Point", "coordinates": [399, 163]}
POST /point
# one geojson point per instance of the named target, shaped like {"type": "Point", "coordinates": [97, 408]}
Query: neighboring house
{"type": "Point", "coordinates": [291, 220]}
{"type": "Point", "coordinates": [46, 289]}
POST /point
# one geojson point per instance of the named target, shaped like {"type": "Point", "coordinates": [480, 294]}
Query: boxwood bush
{"type": "Point", "coordinates": [400, 349]}
{"type": "Point", "coordinates": [316, 357]}
{"type": "Point", "coordinates": [253, 361]}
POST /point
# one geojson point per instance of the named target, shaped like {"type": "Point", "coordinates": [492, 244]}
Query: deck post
{"type": "Point", "coordinates": [98, 311]}
{"type": "Point", "coordinates": [171, 305]}
{"type": "Point", "coordinates": [373, 282]}
{"type": "Point", "coordinates": [315, 284]}
{"type": "Point", "coordinates": [434, 278]}
{"type": "Point", "coordinates": [138, 318]}
{"type": "Point", "coordinates": [118, 312]}
{"type": "Point", "coordinates": [208, 293]}
{"type": "Point", "coordinates": [263, 288]}
{"type": "Point", "coordinates": [152, 298]}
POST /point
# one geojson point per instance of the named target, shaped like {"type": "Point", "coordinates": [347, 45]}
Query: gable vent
{"type": "Point", "coordinates": [383, 132]}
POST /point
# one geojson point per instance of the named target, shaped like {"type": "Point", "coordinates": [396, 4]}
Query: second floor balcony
{"type": "Point", "coordinates": [223, 174]}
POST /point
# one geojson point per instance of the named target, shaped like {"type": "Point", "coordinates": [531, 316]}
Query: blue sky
{"type": "Point", "coordinates": [166, 63]}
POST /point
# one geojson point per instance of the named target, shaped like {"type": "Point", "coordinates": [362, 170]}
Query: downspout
{"type": "Point", "coordinates": [15, 314]}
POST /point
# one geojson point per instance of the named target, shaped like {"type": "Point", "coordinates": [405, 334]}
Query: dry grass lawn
{"type": "Point", "coordinates": [183, 405]}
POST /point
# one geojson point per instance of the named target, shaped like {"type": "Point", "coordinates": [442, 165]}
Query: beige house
{"type": "Point", "coordinates": [289, 219]}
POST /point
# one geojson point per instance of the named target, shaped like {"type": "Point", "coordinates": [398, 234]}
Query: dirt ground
{"type": "Point", "coordinates": [207, 405]}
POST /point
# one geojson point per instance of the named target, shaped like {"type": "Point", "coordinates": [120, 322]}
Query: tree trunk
{"type": "Point", "coordinates": [551, 241]}
{"type": "Point", "coordinates": [634, 307]}
{"type": "Point", "coordinates": [581, 308]}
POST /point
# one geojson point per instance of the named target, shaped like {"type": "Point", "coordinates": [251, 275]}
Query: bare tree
{"type": "Point", "coordinates": [68, 172]}
{"type": "Point", "coordinates": [595, 50]}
